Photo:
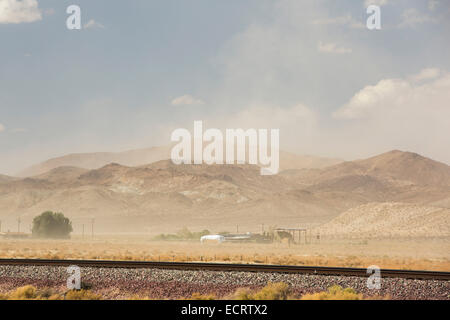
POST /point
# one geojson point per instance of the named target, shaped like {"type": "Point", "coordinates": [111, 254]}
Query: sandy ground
{"type": "Point", "coordinates": [426, 254]}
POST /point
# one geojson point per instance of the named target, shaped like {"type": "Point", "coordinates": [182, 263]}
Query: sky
{"type": "Point", "coordinates": [139, 69]}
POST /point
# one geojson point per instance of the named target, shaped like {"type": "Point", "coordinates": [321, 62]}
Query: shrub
{"type": "Point", "coordinates": [31, 293]}
{"type": "Point", "coordinates": [242, 294]}
{"type": "Point", "coordinates": [334, 293]}
{"type": "Point", "coordinates": [24, 293]}
{"type": "Point", "coordinates": [51, 225]}
{"type": "Point", "coordinates": [272, 291]}
{"type": "Point", "coordinates": [46, 293]}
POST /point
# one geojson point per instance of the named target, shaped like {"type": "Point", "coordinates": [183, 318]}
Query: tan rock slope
{"type": "Point", "coordinates": [403, 167]}
{"type": "Point", "coordinates": [379, 220]}
{"type": "Point", "coordinates": [392, 176]}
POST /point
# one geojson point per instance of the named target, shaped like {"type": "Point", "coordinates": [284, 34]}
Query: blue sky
{"type": "Point", "coordinates": [139, 69]}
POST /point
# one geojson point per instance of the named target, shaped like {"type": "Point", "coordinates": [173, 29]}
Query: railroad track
{"type": "Point", "coordinates": [326, 271]}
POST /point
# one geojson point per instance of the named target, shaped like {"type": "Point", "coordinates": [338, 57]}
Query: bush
{"type": "Point", "coordinates": [334, 293]}
{"type": "Point", "coordinates": [24, 293]}
{"type": "Point", "coordinates": [273, 291]}
{"type": "Point", "coordinates": [51, 225]}
{"type": "Point", "coordinates": [31, 293]}
{"type": "Point", "coordinates": [242, 294]}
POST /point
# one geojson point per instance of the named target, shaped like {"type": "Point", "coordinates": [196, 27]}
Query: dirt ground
{"type": "Point", "coordinates": [423, 254]}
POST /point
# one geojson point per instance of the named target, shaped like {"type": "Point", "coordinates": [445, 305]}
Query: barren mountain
{"type": "Point", "coordinates": [379, 220]}
{"type": "Point", "coordinates": [139, 157]}
{"type": "Point", "coordinates": [404, 168]}
{"type": "Point", "coordinates": [61, 174]}
{"type": "Point", "coordinates": [99, 159]}
{"type": "Point", "coordinates": [4, 178]}
{"type": "Point", "coordinates": [289, 161]}
{"type": "Point", "coordinates": [163, 195]}
{"type": "Point", "coordinates": [392, 176]}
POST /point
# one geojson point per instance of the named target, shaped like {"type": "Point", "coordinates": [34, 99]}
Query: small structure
{"type": "Point", "coordinates": [292, 232]}
{"type": "Point", "coordinates": [14, 235]}
{"type": "Point", "coordinates": [212, 237]}
{"type": "Point", "coordinates": [238, 237]}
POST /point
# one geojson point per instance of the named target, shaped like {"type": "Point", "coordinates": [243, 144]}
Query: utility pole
{"type": "Point", "coordinates": [237, 228]}
{"type": "Point", "coordinates": [93, 219]}
{"type": "Point", "coordinates": [82, 237]}
{"type": "Point", "coordinates": [262, 228]}
{"type": "Point", "coordinates": [18, 225]}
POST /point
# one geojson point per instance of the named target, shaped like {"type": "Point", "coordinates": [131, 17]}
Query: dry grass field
{"type": "Point", "coordinates": [424, 254]}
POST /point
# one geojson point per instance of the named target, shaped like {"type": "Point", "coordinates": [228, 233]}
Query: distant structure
{"type": "Point", "coordinates": [290, 233]}
{"type": "Point", "coordinates": [212, 237]}
{"type": "Point", "coordinates": [237, 237]}
{"type": "Point", "coordinates": [14, 235]}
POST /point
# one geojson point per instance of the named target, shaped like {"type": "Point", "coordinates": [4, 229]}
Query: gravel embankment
{"type": "Point", "coordinates": [172, 284]}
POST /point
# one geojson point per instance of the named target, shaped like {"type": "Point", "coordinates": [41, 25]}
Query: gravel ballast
{"type": "Point", "coordinates": [116, 283]}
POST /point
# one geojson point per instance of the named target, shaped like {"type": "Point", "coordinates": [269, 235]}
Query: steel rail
{"type": "Point", "coordinates": [230, 267]}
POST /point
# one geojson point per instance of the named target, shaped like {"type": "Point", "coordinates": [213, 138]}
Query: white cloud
{"type": "Point", "coordinates": [372, 97]}
{"type": "Point", "coordinates": [91, 24]}
{"type": "Point", "coordinates": [2, 127]}
{"type": "Point", "coordinates": [401, 96]}
{"type": "Point", "coordinates": [399, 113]}
{"type": "Point", "coordinates": [187, 100]}
{"type": "Point", "coordinates": [15, 11]}
{"type": "Point", "coordinates": [413, 17]}
{"type": "Point", "coordinates": [426, 74]}
{"type": "Point", "coordinates": [332, 48]}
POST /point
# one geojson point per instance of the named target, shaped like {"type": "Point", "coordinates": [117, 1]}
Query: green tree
{"type": "Point", "coordinates": [52, 225]}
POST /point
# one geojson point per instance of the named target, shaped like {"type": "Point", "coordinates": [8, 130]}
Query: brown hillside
{"type": "Point", "coordinates": [377, 220]}
{"type": "Point", "coordinates": [405, 167]}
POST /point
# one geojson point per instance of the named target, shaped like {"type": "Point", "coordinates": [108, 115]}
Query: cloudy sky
{"type": "Point", "coordinates": [139, 69]}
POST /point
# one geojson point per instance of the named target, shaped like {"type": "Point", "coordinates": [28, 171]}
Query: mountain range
{"type": "Point", "coordinates": [159, 196]}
